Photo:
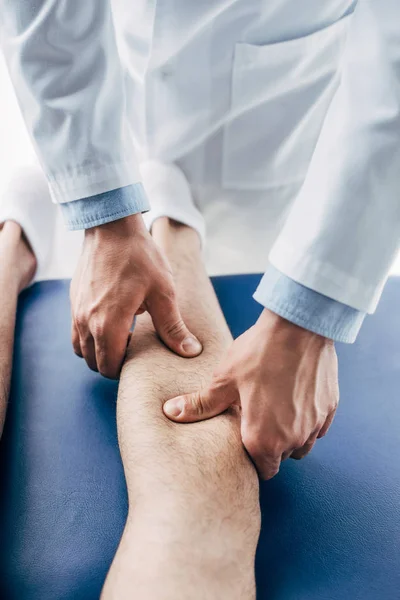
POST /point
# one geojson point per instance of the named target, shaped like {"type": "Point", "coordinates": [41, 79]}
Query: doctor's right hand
{"type": "Point", "coordinates": [121, 273]}
{"type": "Point", "coordinates": [285, 380]}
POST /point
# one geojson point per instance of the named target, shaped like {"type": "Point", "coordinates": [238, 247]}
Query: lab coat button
{"type": "Point", "coordinates": [166, 72]}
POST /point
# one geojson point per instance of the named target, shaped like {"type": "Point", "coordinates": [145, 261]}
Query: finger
{"type": "Point", "coordinates": [111, 345]}
{"type": "Point", "coordinates": [199, 405]}
{"type": "Point", "coordinates": [88, 351]}
{"type": "Point", "coordinates": [300, 453]}
{"type": "Point", "coordinates": [267, 466]}
{"type": "Point", "coordinates": [327, 424]}
{"type": "Point", "coordinates": [170, 327]}
{"type": "Point", "coordinates": [76, 344]}
{"type": "Point", "coordinates": [266, 461]}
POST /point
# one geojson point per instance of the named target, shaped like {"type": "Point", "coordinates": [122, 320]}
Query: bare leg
{"type": "Point", "coordinates": [17, 267]}
{"type": "Point", "coordinates": [193, 519]}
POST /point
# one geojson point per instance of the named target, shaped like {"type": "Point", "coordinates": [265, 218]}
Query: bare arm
{"type": "Point", "coordinates": [17, 267]}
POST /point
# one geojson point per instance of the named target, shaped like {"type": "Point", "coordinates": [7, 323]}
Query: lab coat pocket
{"type": "Point", "coordinates": [279, 98]}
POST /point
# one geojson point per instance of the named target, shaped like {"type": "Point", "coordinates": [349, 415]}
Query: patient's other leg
{"type": "Point", "coordinates": [17, 267]}
{"type": "Point", "coordinates": [193, 519]}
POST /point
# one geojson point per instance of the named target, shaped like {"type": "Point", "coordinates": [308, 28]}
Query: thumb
{"type": "Point", "coordinates": [197, 406]}
{"type": "Point", "coordinates": [171, 328]}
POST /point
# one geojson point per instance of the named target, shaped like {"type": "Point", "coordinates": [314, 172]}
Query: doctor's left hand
{"type": "Point", "coordinates": [121, 273]}
{"type": "Point", "coordinates": [285, 379]}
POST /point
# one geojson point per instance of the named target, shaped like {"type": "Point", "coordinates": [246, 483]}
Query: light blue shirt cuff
{"type": "Point", "coordinates": [307, 308]}
{"type": "Point", "coordinates": [106, 207]}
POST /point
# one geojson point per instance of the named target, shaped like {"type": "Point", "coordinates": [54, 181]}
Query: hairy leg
{"type": "Point", "coordinates": [17, 267]}
{"type": "Point", "coordinates": [194, 520]}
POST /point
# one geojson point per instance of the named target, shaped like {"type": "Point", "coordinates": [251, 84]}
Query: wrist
{"type": "Point", "coordinates": [272, 324]}
{"type": "Point", "coordinates": [129, 226]}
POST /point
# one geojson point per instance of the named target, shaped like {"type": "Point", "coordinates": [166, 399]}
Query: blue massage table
{"type": "Point", "coordinates": [331, 523]}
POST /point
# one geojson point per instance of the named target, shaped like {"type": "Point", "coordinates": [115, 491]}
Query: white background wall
{"type": "Point", "coordinates": [16, 149]}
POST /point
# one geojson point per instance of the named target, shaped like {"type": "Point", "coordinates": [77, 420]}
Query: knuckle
{"type": "Point", "coordinates": [77, 350]}
{"type": "Point", "coordinates": [258, 447]}
{"type": "Point", "coordinates": [300, 454]}
{"type": "Point", "coordinates": [75, 337]}
{"type": "Point", "coordinates": [303, 450]}
{"type": "Point", "coordinates": [268, 468]}
{"type": "Point", "coordinates": [108, 368]}
{"type": "Point", "coordinates": [175, 329]}
{"type": "Point", "coordinates": [251, 443]}
{"type": "Point", "coordinates": [269, 472]}
{"type": "Point", "coordinates": [196, 404]}
{"type": "Point", "coordinates": [300, 442]}
{"type": "Point", "coordinates": [223, 378]}
{"type": "Point", "coordinates": [165, 292]}
{"type": "Point", "coordinates": [80, 320]}
{"type": "Point", "coordinates": [90, 361]}
{"type": "Point", "coordinates": [108, 372]}
{"type": "Point", "coordinates": [103, 367]}
{"type": "Point", "coordinates": [331, 407]}
{"type": "Point", "coordinates": [76, 342]}
{"type": "Point", "coordinates": [99, 328]}
{"type": "Point", "coordinates": [168, 289]}
{"type": "Point", "coordinates": [272, 449]}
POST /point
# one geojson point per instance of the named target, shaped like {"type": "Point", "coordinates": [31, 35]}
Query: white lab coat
{"type": "Point", "coordinates": [279, 104]}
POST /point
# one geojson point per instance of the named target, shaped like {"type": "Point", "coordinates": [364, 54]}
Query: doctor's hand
{"type": "Point", "coordinates": [285, 379]}
{"type": "Point", "coordinates": [121, 273]}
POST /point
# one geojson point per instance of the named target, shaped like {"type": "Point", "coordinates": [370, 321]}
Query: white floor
{"type": "Point", "coordinates": [16, 149]}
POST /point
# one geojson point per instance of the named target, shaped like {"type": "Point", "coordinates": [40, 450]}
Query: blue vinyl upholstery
{"type": "Point", "coordinates": [331, 523]}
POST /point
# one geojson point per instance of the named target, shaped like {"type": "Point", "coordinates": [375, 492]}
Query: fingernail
{"type": "Point", "coordinates": [191, 345]}
{"type": "Point", "coordinates": [173, 408]}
